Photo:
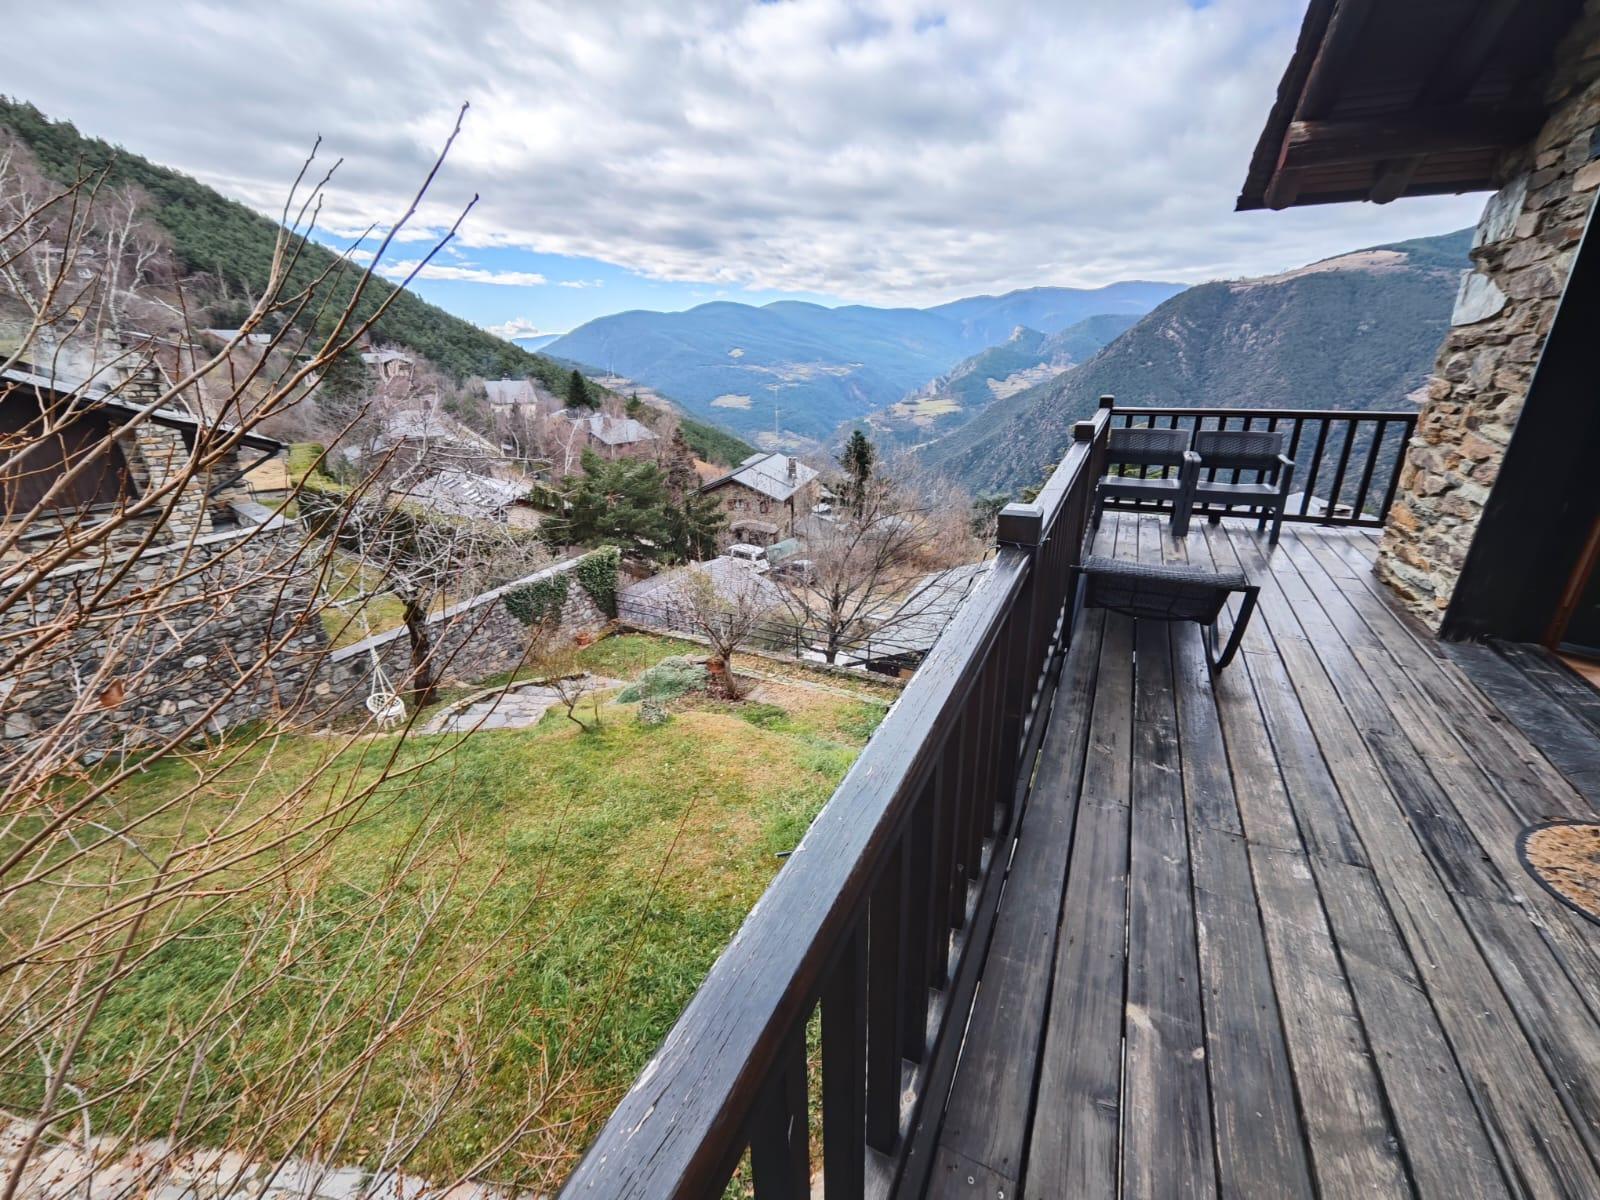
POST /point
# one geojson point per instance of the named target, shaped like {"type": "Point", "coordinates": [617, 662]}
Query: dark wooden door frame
{"type": "Point", "coordinates": [1537, 520]}
{"type": "Point", "coordinates": [1572, 594]}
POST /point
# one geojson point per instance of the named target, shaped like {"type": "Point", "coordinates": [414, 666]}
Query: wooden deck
{"type": "Point", "coordinates": [1269, 936]}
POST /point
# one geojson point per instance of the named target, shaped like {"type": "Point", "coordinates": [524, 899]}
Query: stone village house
{"type": "Point", "coordinates": [764, 497]}
{"type": "Point", "coordinates": [239, 630]}
{"type": "Point", "coordinates": [215, 539]}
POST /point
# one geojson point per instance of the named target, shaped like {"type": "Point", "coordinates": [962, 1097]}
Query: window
{"type": "Point", "coordinates": [25, 477]}
{"type": "Point", "coordinates": [737, 504]}
{"type": "Point", "coordinates": [766, 506]}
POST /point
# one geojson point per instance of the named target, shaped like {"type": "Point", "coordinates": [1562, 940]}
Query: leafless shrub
{"type": "Point", "coordinates": [150, 863]}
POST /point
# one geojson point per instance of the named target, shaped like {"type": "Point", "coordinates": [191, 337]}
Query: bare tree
{"type": "Point", "coordinates": [158, 849]}
{"type": "Point", "coordinates": [726, 610]}
{"type": "Point", "coordinates": [876, 566]}
{"type": "Point", "coordinates": [559, 670]}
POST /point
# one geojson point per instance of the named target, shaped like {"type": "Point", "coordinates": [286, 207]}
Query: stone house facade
{"type": "Point", "coordinates": [764, 498]}
{"type": "Point", "coordinates": [1522, 255]}
{"type": "Point", "coordinates": [237, 638]}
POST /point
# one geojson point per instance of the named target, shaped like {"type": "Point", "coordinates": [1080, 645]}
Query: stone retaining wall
{"type": "Point", "coordinates": [182, 626]}
{"type": "Point", "coordinates": [1522, 255]}
{"type": "Point", "coordinates": [471, 640]}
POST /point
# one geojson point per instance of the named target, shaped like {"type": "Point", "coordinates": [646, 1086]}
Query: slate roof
{"type": "Point", "coordinates": [509, 391]}
{"type": "Point", "coordinates": [617, 431]}
{"type": "Point", "coordinates": [463, 494]}
{"type": "Point", "coordinates": [769, 475]}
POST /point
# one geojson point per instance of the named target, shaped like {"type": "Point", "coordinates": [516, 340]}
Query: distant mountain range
{"type": "Point", "coordinates": [803, 369]}
{"type": "Point", "coordinates": [1357, 331]}
{"type": "Point", "coordinates": [537, 342]}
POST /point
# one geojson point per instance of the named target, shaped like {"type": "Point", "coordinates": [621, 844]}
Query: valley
{"type": "Point", "coordinates": [788, 373]}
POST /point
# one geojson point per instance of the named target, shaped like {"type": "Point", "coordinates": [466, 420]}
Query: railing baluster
{"type": "Point", "coordinates": [1310, 481]}
{"type": "Point", "coordinates": [980, 816]}
{"type": "Point", "coordinates": [919, 917]}
{"type": "Point", "coordinates": [1379, 429]}
{"type": "Point", "coordinates": [1338, 475]}
{"type": "Point", "coordinates": [958, 767]}
{"type": "Point", "coordinates": [1408, 427]}
{"type": "Point", "coordinates": [844, 1071]}
{"type": "Point", "coordinates": [885, 951]}
{"type": "Point", "coordinates": [780, 1133]}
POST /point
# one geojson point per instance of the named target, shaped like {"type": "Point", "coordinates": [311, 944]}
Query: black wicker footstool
{"type": "Point", "coordinates": [1170, 593]}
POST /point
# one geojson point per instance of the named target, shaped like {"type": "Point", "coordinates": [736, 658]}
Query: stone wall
{"type": "Point", "coordinates": [219, 631]}
{"type": "Point", "coordinates": [471, 640]}
{"type": "Point", "coordinates": [156, 453]}
{"type": "Point", "coordinates": [1522, 254]}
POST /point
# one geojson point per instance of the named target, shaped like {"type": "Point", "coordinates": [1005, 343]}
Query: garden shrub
{"type": "Point", "coordinates": [652, 712]}
{"type": "Point", "coordinates": [667, 680]}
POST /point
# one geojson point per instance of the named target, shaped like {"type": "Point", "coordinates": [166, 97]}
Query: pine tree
{"type": "Point", "coordinates": [857, 460]}
{"type": "Point", "coordinates": [621, 503]}
{"type": "Point", "coordinates": [682, 480]}
{"type": "Point", "coordinates": [578, 393]}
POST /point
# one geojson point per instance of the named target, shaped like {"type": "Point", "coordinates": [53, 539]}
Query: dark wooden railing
{"type": "Point", "coordinates": [1350, 461]}
{"type": "Point", "coordinates": [881, 916]}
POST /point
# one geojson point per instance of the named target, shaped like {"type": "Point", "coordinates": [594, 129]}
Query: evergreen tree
{"type": "Point", "coordinates": [857, 460]}
{"type": "Point", "coordinates": [622, 503]}
{"type": "Point", "coordinates": [344, 385]}
{"type": "Point", "coordinates": [578, 393]}
{"type": "Point", "coordinates": [682, 480]}
{"type": "Point", "coordinates": [692, 527]}
{"type": "Point", "coordinates": [635, 406]}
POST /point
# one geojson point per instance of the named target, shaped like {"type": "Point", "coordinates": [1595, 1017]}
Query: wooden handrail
{"type": "Point", "coordinates": [901, 862]}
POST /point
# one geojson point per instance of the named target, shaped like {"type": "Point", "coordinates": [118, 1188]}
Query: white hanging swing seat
{"type": "Point", "coordinates": [383, 703]}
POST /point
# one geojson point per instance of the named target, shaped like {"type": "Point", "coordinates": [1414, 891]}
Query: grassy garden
{"type": "Point", "coordinates": [524, 911]}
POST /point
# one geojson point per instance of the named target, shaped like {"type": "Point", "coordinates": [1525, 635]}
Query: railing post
{"type": "Point", "coordinates": [1021, 527]}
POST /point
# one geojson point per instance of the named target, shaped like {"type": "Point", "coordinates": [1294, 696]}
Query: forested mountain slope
{"type": "Point", "coordinates": [213, 234]}
{"type": "Point", "coordinates": [1358, 331]}
{"type": "Point", "coordinates": [1024, 359]}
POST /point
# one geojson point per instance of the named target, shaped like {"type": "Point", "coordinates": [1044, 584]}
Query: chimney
{"type": "Point", "coordinates": [794, 471]}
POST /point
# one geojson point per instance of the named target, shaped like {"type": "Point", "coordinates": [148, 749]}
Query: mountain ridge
{"type": "Point", "coordinates": [818, 366]}
{"type": "Point", "coordinates": [1354, 331]}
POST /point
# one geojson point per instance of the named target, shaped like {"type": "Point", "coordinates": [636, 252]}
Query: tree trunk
{"type": "Point", "coordinates": [423, 683]}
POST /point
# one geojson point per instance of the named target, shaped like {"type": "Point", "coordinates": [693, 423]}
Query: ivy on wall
{"type": "Point", "coordinates": [597, 575]}
{"type": "Point", "coordinates": [536, 602]}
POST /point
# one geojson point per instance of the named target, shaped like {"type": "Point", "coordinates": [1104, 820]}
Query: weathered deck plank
{"type": "Point", "coordinates": [1266, 934]}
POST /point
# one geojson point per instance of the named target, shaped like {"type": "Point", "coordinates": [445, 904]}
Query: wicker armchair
{"type": "Point", "coordinates": [1146, 447]}
{"type": "Point", "coordinates": [1148, 592]}
{"type": "Point", "coordinates": [1255, 452]}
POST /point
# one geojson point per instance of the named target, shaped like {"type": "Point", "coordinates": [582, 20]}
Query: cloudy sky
{"type": "Point", "coordinates": [660, 153]}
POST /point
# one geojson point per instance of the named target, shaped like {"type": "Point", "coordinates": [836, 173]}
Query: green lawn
{"type": "Point", "coordinates": [581, 884]}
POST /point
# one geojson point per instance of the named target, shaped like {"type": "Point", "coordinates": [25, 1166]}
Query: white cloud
{"type": "Point", "coordinates": [900, 150]}
{"type": "Point", "coordinates": [516, 327]}
{"type": "Point", "coordinates": [581, 283]}
{"type": "Point", "coordinates": [399, 270]}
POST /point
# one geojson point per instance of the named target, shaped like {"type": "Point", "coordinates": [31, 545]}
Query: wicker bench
{"type": "Point", "coordinates": [1148, 592]}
